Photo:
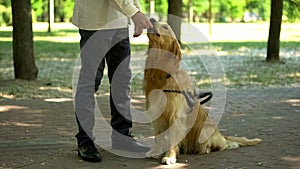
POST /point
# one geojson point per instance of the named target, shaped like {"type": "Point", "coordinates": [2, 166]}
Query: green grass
{"type": "Point", "coordinates": [243, 63]}
{"type": "Point", "coordinates": [245, 66]}
{"type": "Point", "coordinates": [254, 45]}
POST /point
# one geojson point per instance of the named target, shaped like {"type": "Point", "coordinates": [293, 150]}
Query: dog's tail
{"type": "Point", "coordinates": [235, 142]}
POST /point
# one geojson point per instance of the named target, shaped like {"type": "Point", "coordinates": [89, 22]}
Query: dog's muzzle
{"type": "Point", "coordinates": [152, 30]}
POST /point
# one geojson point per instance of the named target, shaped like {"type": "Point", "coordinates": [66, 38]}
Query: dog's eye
{"type": "Point", "coordinates": [165, 27]}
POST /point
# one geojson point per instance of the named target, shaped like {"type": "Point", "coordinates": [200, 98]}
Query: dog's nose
{"type": "Point", "coordinates": [152, 30]}
{"type": "Point", "coordinates": [152, 20]}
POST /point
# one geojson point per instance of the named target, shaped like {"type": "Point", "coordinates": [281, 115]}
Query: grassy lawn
{"type": "Point", "coordinates": [242, 61]}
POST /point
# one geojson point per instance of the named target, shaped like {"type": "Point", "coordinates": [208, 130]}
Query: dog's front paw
{"type": "Point", "coordinates": [168, 160]}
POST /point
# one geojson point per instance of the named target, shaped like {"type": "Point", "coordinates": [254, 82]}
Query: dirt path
{"type": "Point", "coordinates": [40, 134]}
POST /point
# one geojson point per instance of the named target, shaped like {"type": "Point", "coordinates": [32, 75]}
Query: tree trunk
{"type": "Point", "coordinates": [175, 16]}
{"type": "Point", "coordinates": [23, 53]}
{"type": "Point", "coordinates": [152, 6]}
{"type": "Point", "coordinates": [210, 17]}
{"type": "Point", "coordinates": [274, 31]}
{"type": "Point", "coordinates": [191, 11]}
{"type": "Point", "coordinates": [50, 14]}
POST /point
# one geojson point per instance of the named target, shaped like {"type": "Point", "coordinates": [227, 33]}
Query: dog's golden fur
{"type": "Point", "coordinates": [177, 128]}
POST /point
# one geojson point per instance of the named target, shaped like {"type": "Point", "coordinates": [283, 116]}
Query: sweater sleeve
{"type": "Point", "coordinates": [127, 7]}
{"type": "Point", "coordinates": [138, 4]}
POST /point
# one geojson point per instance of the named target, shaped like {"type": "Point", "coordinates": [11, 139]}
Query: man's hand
{"type": "Point", "coordinates": [140, 22]}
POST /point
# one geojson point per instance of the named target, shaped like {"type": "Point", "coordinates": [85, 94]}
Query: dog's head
{"type": "Point", "coordinates": [164, 53]}
{"type": "Point", "coordinates": [161, 36]}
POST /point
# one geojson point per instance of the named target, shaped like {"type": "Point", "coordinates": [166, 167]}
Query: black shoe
{"type": "Point", "coordinates": [88, 152]}
{"type": "Point", "coordinates": [127, 143]}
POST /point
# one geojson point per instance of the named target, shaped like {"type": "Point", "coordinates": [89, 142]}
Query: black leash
{"type": "Point", "coordinates": [208, 96]}
{"type": "Point", "coordinates": [190, 98]}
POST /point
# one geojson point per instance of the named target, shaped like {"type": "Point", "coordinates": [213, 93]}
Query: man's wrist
{"type": "Point", "coordinates": [136, 13]}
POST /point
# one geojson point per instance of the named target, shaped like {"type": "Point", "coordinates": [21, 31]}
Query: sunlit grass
{"type": "Point", "coordinates": [243, 61]}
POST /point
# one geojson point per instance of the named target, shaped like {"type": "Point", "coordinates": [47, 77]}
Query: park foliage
{"type": "Point", "coordinates": [223, 10]}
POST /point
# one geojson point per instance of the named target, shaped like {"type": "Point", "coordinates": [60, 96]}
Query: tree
{"type": "Point", "coordinates": [23, 53]}
{"type": "Point", "coordinates": [274, 31]}
{"type": "Point", "coordinates": [191, 11]}
{"type": "Point", "coordinates": [210, 17]}
{"type": "Point", "coordinates": [230, 8]}
{"type": "Point", "coordinates": [50, 14]}
{"type": "Point", "coordinates": [39, 8]}
{"type": "Point", "coordinates": [174, 16]}
{"type": "Point", "coordinates": [259, 7]}
{"type": "Point", "coordinates": [292, 9]}
{"type": "Point", "coordinates": [63, 10]}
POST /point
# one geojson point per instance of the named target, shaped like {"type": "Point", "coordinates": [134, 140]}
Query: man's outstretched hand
{"type": "Point", "coordinates": [140, 22]}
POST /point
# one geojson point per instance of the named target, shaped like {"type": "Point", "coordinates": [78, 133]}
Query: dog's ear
{"type": "Point", "coordinates": [175, 48]}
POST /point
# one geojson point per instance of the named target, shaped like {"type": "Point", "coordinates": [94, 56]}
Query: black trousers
{"type": "Point", "coordinates": [115, 48]}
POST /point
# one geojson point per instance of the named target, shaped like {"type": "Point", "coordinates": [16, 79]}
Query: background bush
{"type": "Point", "coordinates": [6, 15]}
{"type": "Point", "coordinates": [223, 10]}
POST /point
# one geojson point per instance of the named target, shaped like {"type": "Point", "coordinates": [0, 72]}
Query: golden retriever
{"type": "Point", "coordinates": [180, 123]}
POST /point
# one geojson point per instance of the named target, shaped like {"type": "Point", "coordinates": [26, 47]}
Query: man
{"type": "Point", "coordinates": [103, 27]}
